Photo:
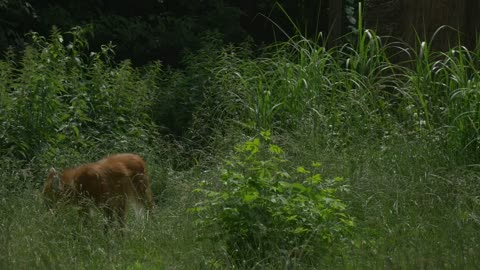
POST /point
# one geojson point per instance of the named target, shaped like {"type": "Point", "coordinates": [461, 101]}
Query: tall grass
{"type": "Point", "coordinates": [352, 89]}
{"type": "Point", "coordinates": [444, 85]}
{"type": "Point", "coordinates": [403, 135]}
{"type": "Point", "coordinates": [31, 236]}
{"type": "Point", "coordinates": [56, 94]}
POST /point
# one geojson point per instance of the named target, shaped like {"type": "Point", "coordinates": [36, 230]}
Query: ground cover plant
{"type": "Point", "coordinates": [403, 136]}
{"type": "Point", "coordinates": [264, 209]}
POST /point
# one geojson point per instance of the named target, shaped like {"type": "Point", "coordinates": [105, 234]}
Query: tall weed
{"type": "Point", "coordinates": [56, 93]}
{"type": "Point", "coordinates": [261, 208]}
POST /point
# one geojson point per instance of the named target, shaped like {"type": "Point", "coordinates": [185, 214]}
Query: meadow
{"type": "Point", "coordinates": [298, 156]}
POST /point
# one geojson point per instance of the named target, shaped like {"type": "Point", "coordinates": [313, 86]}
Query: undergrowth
{"type": "Point", "coordinates": [263, 208]}
{"type": "Point", "coordinates": [403, 136]}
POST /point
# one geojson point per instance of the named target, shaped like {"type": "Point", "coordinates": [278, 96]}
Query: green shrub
{"type": "Point", "coordinates": [263, 207]}
{"type": "Point", "coordinates": [57, 94]}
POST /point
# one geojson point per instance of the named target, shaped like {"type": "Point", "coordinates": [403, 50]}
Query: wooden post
{"type": "Point", "coordinates": [335, 21]}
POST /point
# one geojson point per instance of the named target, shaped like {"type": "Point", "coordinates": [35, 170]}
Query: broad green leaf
{"type": "Point", "coordinates": [61, 137]}
{"type": "Point", "coordinates": [301, 230]}
{"type": "Point", "coordinates": [266, 135]}
{"type": "Point", "coordinates": [316, 164]}
{"type": "Point", "coordinates": [315, 179]}
{"type": "Point", "coordinates": [290, 218]}
{"type": "Point", "coordinates": [250, 196]}
{"type": "Point", "coordinates": [283, 174]}
{"type": "Point", "coordinates": [299, 186]}
{"type": "Point", "coordinates": [275, 149]}
{"type": "Point", "coordinates": [76, 131]}
{"type": "Point", "coordinates": [301, 169]}
{"type": "Point", "coordinates": [284, 184]}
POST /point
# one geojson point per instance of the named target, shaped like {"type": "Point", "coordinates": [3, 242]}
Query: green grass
{"type": "Point", "coordinates": [33, 236]}
{"type": "Point", "coordinates": [404, 136]}
{"type": "Point", "coordinates": [412, 210]}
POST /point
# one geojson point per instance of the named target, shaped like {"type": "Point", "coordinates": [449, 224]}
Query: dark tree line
{"type": "Point", "coordinates": [162, 29]}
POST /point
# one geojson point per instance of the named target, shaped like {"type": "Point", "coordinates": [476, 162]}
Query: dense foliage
{"type": "Point", "coordinates": [56, 94]}
{"type": "Point", "coordinates": [263, 208]}
{"type": "Point", "coordinates": [160, 30]}
{"type": "Point", "coordinates": [403, 136]}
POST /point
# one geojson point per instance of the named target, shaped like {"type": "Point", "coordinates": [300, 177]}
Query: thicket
{"type": "Point", "coordinates": [404, 137]}
{"type": "Point", "coordinates": [56, 94]}
{"type": "Point", "coordinates": [346, 92]}
{"type": "Point", "coordinates": [162, 29]}
{"type": "Point", "coordinates": [263, 207]}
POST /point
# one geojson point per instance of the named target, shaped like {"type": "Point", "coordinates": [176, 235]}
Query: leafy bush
{"type": "Point", "coordinates": [262, 207]}
{"type": "Point", "coordinates": [57, 94]}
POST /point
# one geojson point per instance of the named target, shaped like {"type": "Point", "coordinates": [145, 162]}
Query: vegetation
{"type": "Point", "coordinates": [403, 135]}
{"type": "Point", "coordinates": [158, 29]}
{"type": "Point", "coordinates": [55, 95]}
{"type": "Point", "coordinates": [265, 210]}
